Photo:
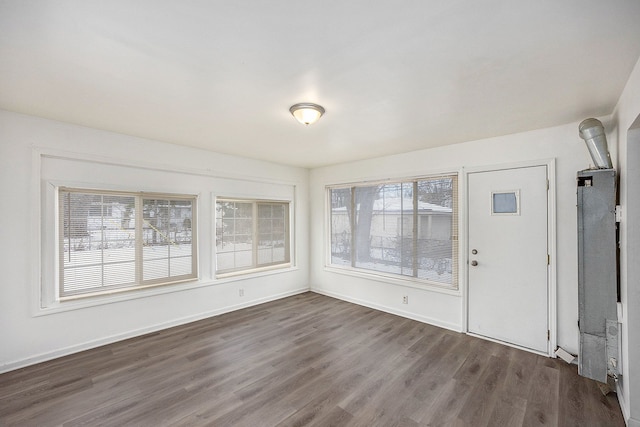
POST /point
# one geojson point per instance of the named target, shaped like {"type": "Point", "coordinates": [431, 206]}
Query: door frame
{"type": "Point", "coordinates": [551, 243]}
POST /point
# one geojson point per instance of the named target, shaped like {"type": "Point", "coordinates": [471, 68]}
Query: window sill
{"type": "Point", "coordinates": [254, 272]}
{"type": "Point", "coordinates": [123, 290]}
{"type": "Point", "coordinates": [115, 297]}
{"type": "Point", "coordinates": [395, 280]}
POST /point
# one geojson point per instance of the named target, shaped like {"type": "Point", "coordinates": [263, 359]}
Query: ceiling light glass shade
{"type": "Point", "coordinates": [307, 113]}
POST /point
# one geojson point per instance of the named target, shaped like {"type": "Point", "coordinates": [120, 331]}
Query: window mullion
{"type": "Point", "coordinates": [68, 197]}
{"type": "Point", "coordinates": [401, 231]}
{"type": "Point", "coordinates": [354, 213]}
{"type": "Point", "coordinates": [415, 230]}
{"type": "Point", "coordinates": [169, 241]}
{"type": "Point", "coordinates": [287, 235]}
{"type": "Point", "coordinates": [254, 234]}
{"type": "Point", "coordinates": [102, 234]}
{"type": "Point", "coordinates": [139, 239]}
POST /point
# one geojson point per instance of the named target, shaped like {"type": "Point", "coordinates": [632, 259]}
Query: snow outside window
{"type": "Point", "coordinates": [407, 228]}
{"type": "Point", "coordinates": [111, 241]}
{"type": "Point", "coordinates": [250, 235]}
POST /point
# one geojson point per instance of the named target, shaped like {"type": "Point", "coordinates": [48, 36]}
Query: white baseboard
{"type": "Point", "coordinates": [43, 357]}
{"type": "Point", "coordinates": [402, 313]}
{"type": "Point", "coordinates": [623, 406]}
{"type": "Point", "coordinates": [626, 413]}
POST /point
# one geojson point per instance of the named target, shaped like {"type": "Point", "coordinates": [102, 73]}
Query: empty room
{"type": "Point", "coordinates": [341, 213]}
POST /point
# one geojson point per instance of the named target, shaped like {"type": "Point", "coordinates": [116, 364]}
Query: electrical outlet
{"type": "Point", "coordinates": [241, 292]}
{"type": "Point", "coordinates": [405, 299]}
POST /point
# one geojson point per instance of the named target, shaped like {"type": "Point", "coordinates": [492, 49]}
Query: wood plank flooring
{"type": "Point", "coordinates": [307, 360]}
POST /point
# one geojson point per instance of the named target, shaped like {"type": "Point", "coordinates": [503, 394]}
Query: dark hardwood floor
{"type": "Point", "coordinates": [304, 360]}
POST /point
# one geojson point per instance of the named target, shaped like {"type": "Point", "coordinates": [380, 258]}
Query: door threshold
{"type": "Point", "coordinates": [508, 344]}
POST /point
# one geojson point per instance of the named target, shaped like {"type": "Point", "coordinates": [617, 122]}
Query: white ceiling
{"type": "Point", "coordinates": [394, 76]}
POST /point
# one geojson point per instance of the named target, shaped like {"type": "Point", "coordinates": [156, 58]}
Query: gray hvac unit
{"type": "Point", "coordinates": [597, 260]}
{"type": "Point", "coordinates": [597, 278]}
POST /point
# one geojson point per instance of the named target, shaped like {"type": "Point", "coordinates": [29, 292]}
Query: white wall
{"type": "Point", "coordinates": [627, 120]}
{"type": "Point", "coordinates": [29, 334]}
{"type": "Point", "coordinates": [561, 143]}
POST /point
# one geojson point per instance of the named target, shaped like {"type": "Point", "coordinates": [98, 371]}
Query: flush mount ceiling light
{"type": "Point", "coordinates": [306, 112]}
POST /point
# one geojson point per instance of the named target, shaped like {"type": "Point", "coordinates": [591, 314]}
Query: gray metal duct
{"type": "Point", "coordinates": [597, 290]}
{"type": "Point", "coordinates": [592, 131]}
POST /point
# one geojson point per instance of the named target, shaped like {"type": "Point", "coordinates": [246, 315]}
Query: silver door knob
{"type": "Point", "coordinates": [474, 262]}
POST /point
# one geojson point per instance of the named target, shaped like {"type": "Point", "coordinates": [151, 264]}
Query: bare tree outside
{"type": "Point", "coordinates": [365, 198]}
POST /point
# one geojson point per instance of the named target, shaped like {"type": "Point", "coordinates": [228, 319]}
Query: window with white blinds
{"type": "Point", "coordinates": [406, 228]}
{"type": "Point", "coordinates": [251, 234]}
{"type": "Point", "coordinates": [117, 240]}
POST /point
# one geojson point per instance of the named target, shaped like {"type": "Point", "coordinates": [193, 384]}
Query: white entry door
{"type": "Point", "coordinates": [508, 256]}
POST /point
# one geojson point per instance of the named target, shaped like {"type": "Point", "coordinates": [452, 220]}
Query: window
{"type": "Point", "coordinates": [505, 203]}
{"type": "Point", "coordinates": [406, 228]}
{"type": "Point", "coordinates": [113, 240]}
{"type": "Point", "coordinates": [251, 234]}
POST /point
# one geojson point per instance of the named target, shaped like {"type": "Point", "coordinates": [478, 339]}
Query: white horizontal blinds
{"type": "Point", "coordinates": [167, 246]}
{"type": "Point", "coordinates": [272, 233]}
{"type": "Point", "coordinates": [437, 239]}
{"type": "Point", "coordinates": [105, 244]}
{"type": "Point", "coordinates": [97, 241]}
{"type": "Point", "coordinates": [234, 235]}
{"type": "Point", "coordinates": [341, 220]}
{"type": "Point", "coordinates": [251, 234]}
{"type": "Point", "coordinates": [407, 228]}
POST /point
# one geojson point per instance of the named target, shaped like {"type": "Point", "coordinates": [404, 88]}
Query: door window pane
{"type": "Point", "coordinates": [505, 203]}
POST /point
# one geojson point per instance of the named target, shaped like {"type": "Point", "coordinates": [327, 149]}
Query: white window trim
{"type": "Point", "coordinates": [395, 279]}
{"type": "Point", "coordinates": [41, 274]}
{"type": "Point", "coordinates": [140, 282]}
{"type": "Point", "coordinates": [110, 298]}
{"type": "Point", "coordinates": [258, 269]}
{"type": "Point", "coordinates": [392, 278]}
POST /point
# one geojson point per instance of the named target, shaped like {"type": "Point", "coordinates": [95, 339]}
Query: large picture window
{"type": "Point", "coordinates": [115, 240]}
{"type": "Point", "coordinates": [251, 234]}
{"type": "Point", "coordinates": [405, 228]}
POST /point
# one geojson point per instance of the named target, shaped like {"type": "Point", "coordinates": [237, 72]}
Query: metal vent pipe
{"type": "Point", "coordinates": [592, 131]}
